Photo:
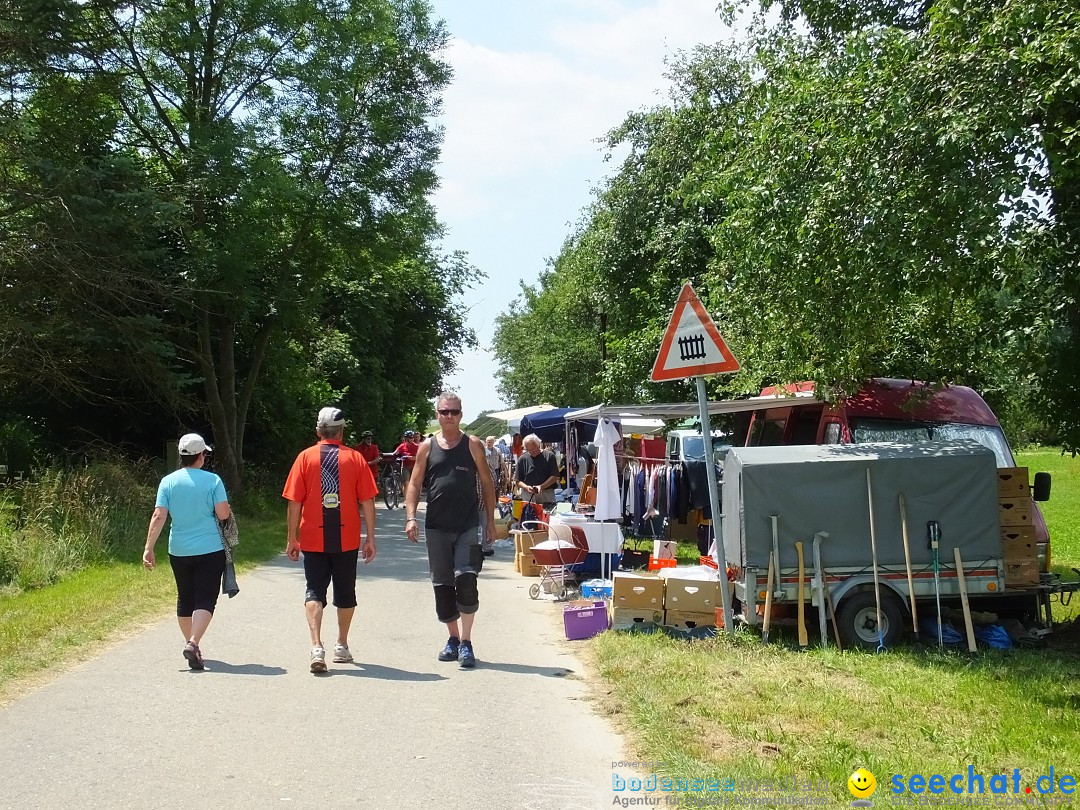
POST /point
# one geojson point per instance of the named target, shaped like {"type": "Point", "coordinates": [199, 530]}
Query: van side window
{"type": "Point", "coordinates": [768, 432]}
{"type": "Point", "coordinates": [804, 431]}
{"type": "Point", "coordinates": [832, 433]}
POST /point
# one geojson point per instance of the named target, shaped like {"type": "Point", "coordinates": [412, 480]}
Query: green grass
{"type": "Point", "coordinates": [1062, 511]}
{"type": "Point", "coordinates": [56, 623]}
{"type": "Point", "coordinates": [723, 708]}
{"type": "Point", "coordinates": [728, 708]}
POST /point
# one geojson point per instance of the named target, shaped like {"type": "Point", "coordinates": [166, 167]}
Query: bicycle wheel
{"type": "Point", "coordinates": [396, 487]}
{"type": "Point", "coordinates": [388, 491]}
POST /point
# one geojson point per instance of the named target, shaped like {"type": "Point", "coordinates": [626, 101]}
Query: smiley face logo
{"type": "Point", "coordinates": [862, 784]}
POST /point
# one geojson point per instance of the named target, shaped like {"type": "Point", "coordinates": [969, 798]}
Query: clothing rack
{"type": "Point", "coordinates": [625, 457]}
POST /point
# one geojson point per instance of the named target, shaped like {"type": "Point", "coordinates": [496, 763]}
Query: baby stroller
{"type": "Point", "coordinates": [565, 547]}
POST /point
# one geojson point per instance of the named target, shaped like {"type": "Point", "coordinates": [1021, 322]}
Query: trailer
{"type": "Point", "coordinates": [849, 499]}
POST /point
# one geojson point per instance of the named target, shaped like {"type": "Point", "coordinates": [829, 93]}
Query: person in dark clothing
{"type": "Point", "coordinates": [451, 464]}
{"type": "Point", "coordinates": [537, 472]}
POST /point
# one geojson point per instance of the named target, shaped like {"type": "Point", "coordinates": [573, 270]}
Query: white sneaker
{"type": "Point", "coordinates": [342, 654]}
{"type": "Point", "coordinates": [318, 659]}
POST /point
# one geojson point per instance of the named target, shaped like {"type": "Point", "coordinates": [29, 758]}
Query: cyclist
{"type": "Point", "coordinates": [370, 451]}
{"type": "Point", "coordinates": [406, 453]}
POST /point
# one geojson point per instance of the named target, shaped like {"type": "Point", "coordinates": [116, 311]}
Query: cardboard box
{"type": "Point", "coordinates": [1018, 542]}
{"type": "Point", "coordinates": [527, 565]}
{"type": "Point", "coordinates": [1014, 511]}
{"type": "Point", "coordinates": [691, 595]}
{"type": "Point", "coordinates": [585, 619]}
{"type": "Point", "coordinates": [502, 528]}
{"type": "Point", "coordinates": [1012, 482]}
{"type": "Point", "coordinates": [524, 540]}
{"type": "Point", "coordinates": [628, 618]}
{"type": "Point", "coordinates": [1021, 572]}
{"type": "Point", "coordinates": [664, 549]}
{"type": "Point", "coordinates": [634, 590]}
{"type": "Point", "coordinates": [517, 562]}
{"type": "Point", "coordinates": [688, 620]}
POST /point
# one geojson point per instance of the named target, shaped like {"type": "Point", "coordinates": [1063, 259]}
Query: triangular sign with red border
{"type": "Point", "coordinates": [692, 346]}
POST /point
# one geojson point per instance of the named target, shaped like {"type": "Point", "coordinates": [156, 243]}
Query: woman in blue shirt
{"type": "Point", "coordinates": [195, 499]}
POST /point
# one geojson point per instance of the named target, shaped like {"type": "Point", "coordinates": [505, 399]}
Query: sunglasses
{"type": "Point", "coordinates": [449, 411]}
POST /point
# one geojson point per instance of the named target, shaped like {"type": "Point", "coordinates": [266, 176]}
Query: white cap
{"type": "Point", "coordinates": [191, 444]}
{"type": "Point", "coordinates": [330, 417]}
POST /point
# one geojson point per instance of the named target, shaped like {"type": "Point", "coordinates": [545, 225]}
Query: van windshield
{"type": "Point", "coordinates": [864, 431]}
{"type": "Point", "coordinates": [694, 447]}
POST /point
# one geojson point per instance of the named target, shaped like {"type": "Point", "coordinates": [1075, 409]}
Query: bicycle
{"type": "Point", "coordinates": [390, 481]}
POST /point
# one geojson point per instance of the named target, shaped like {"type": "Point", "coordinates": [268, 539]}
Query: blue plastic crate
{"type": "Point", "coordinates": [596, 589]}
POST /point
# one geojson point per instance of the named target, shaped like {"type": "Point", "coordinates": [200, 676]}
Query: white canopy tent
{"type": "Point", "coordinates": [513, 416]}
{"type": "Point", "coordinates": [517, 413]}
{"type": "Point", "coordinates": [682, 410]}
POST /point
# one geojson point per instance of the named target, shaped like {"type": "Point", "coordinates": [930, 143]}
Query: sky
{"type": "Point", "coordinates": [536, 84]}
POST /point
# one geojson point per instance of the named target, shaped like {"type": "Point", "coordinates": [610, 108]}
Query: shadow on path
{"type": "Point", "coordinates": [223, 668]}
{"type": "Point", "coordinates": [380, 672]}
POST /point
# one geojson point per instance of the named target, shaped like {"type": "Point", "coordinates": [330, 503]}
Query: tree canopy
{"type": "Point", "coordinates": [220, 210]}
{"type": "Point", "coordinates": [890, 194]}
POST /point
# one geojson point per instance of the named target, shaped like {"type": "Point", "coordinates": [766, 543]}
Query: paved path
{"type": "Point", "coordinates": [134, 728]}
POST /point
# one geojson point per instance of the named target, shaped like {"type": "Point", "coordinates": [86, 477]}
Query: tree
{"type": "Point", "coordinates": [285, 133]}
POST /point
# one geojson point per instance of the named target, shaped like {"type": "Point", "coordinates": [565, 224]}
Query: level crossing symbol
{"type": "Point", "coordinates": [692, 346]}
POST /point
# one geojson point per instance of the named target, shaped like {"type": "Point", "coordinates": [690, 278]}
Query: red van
{"type": "Point", "coordinates": [889, 410]}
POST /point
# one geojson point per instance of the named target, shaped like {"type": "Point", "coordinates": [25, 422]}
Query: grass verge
{"type": "Point", "coordinates": [734, 709]}
{"type": "Point", "coordinates": [724, 709]}
{"type": "Point", "coordinates": [41, 627]}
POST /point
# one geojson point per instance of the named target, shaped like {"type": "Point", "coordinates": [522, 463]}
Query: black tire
{"type": "Point", "coordinates": [857, 620]}
{"type": "Point", "coordinates": [399, 496]}
{"type": "Point", "coordinates": [388, 492]}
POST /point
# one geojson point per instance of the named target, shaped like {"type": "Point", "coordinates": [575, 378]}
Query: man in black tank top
{"type": "Point", "coordinates": [450, 464]}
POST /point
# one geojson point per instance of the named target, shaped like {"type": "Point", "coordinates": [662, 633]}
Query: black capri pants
{"type": "Point", "coordinates": [198, 581]}
{"type": "Point", "coordinates": [320, 567]}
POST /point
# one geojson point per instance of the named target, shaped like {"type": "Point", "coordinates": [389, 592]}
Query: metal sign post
{"type": "Point", "coordinates": [692, 347]}
{"type": "Point", "coordinates": [714, 504]}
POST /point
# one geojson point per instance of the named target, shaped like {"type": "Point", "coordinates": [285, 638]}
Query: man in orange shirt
{"type": "Point", "coordinates": [328, 486]}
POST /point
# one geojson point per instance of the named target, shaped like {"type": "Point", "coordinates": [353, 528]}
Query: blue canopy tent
{"type": "Point", "coordinates": [550, 426]}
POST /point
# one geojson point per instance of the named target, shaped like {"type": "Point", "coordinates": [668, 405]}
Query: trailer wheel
{"type": "Point", "coordinates": [857, 620]}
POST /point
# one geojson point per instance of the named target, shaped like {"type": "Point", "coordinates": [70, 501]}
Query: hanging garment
{"type": "Point", "coordinates": [607, 475]}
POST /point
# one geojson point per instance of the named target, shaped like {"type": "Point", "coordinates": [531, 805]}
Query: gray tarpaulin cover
{"type": "Point", "coordinates": [822, 488]}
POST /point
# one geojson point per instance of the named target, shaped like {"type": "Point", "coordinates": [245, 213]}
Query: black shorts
{"type": "Point", "coordinates": [322, 567]}
{"type": "Point", "coordinates": [198, 581]}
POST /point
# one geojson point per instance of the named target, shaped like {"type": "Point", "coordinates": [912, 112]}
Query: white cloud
{"type": "Point", "coordinates": [509, 114]}
{"type": "Point", "coordinates": [521, 128]}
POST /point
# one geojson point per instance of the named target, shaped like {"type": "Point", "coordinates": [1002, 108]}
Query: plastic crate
{"type": "Point", "coordinates": [596, 589]}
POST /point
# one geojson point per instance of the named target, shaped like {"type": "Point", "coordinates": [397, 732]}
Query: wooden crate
{"type": "Point", "coordinates": [1015, 511]}
{"type": "Point", "coordinates": [627, 618]}
{"type": "Point", "coordinates": [688, 620]}
{"type": "Point", "coordinates": [1021, 572]}
{"type": "Point", "coordinates": [1012, 482]}
{"type": "Point", "coordinates": [1018, 542]}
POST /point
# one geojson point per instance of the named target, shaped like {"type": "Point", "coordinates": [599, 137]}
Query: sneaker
{"type": "Point", "coordinates": [318, 659]}
{"type": "Point", "coordinates": [466, 658]}
{"type": "Point", "coordinates": [342, 654]}
{"type": "Point", "coordinates": [450, 651]}
{"type": "Point", "coordinates": [193, 655]}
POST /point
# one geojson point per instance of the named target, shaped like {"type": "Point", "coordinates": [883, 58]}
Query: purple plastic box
{"type": "Point", "coordinates": [585, 621]}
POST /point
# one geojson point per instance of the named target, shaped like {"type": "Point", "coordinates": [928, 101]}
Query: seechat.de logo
{"type": "Point", "coordinates": [862, 785]}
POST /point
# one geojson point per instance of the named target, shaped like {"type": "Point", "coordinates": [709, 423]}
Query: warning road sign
{"type": "Point", "coordinates": [692, 346]}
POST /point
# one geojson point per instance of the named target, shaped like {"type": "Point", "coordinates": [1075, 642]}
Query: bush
{"type": "Point", "coordinates": [64, 520]}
